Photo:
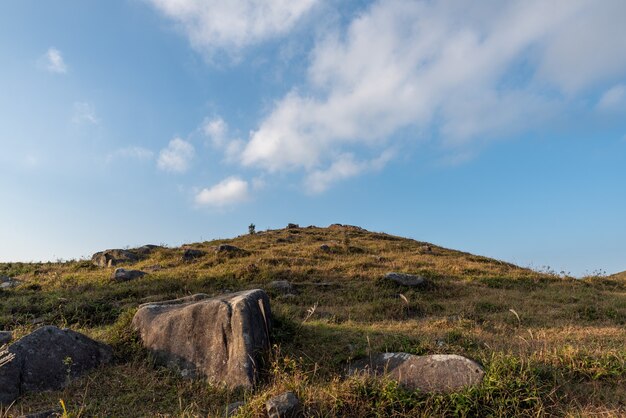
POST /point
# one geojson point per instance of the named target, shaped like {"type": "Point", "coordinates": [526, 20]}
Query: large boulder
{"type": "Point", "coordinates": [191, 254]}
{"type": "Point", "coordinates": [434, 373]}
{"type": "Point", "coordinates": [8, 282]}
{"type": "Point", "coordinates": [111, 258]}
{"type": "Point", "coordinates": [47, 359]}
{"type": "Point", "coordinates": [224, 339]}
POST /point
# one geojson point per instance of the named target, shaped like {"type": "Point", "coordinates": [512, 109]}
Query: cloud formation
{"type": "Point", "coordinates": [229, 191]}
{"type": "Point", "coordinates": [614, 98]}
{"type": "Point", "coordinates": [464, 70]}
{"type": "Point", "coordinates": [53, 61]}
{"type": "Point", "coordinates": [212, 25]}
{"type": "Point", "coordinates": [177, 156]}
{"type": "Point", "coordinates": [85, 113]}
{"type": "Point", "coordinates": [132, 152]}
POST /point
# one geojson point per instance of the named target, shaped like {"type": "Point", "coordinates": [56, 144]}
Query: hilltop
{"type": "Point", "coordinates": [550, 345]}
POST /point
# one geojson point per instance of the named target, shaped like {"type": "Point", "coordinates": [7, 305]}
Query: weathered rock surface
{"type": "Point", "coordinates": [8, 282]}
{"type": "Point", "coordinates": [405, 279]}
{"type": "Point", "coordinates": [111, 258]}
{"type": "Point", "coordinates": [230, 250]}
{"type": "Point", "coordinates": [224, 339]}
{"type": "Point", "coordinates": [123, 275]}
{"type": "Point", "coordinates": [191, 254]}
{"type": "Point", "coordinates": [325, 248]}
{"type": "Point", "coordinates": [282, 286]}
{"type": "Point", "coordinates": [285, 405]}
{"type": "Point", "coordinates": [47, 359]}
{"type": "Point", "coordinates": [293, 226]}
{"type": "Point", "coordinates": [5, 337]}
{"type": "Point", "coordinates": [434, 373]}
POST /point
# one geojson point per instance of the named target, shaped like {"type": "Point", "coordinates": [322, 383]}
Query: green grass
{"type": "Point", "coordinates": [550, 345]}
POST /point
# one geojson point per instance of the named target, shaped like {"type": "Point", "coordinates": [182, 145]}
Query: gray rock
{"type": "Point", "coordinates": [233, 408]}
{"type": "Point", "coordinates": [293, 226]}
{"type": "Point", "coordinates": [405, 279]}
{"type": "Point", "coordinates": [191, 254]}
{"type": "Point", "coordinates": [435, 373]}
{"type": "Point", "coordinates": [325, 247]}
{"type": "Point", "coordinates": [282, 286]}
{"type": "Point", "coordinates": [123, 275]}
{"type": "Point", "coordinates": [225, 339]}
{"type": "Point", "coordinates": [8, 282]}
{"type": "Point", "coordinates": [50, 413]}
{"type": "Point", "coordinates": [5, 337]}
{"type": "Point", "coordinates": [111, 258]}
{"type": "Point", "coordinates": [285, 405]}
{"type": "Point", "coordinates": [146, 249]}
{"type": "Point", "coordinates": [47, 359]}
{"type": "Point", "coordinates": [229, 249]}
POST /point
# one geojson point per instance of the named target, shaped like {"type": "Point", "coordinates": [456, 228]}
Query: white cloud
{"type": "Point", "coordinates": [465, 70]}
{"type": "Point", "coordinates": [53, 61]}
{"type": "Point", "coordinates": [132, 152]}
{"type": "Point", "coordinates": [613, 98]}
{"type": "Point", "coordinates": [229, 191]}
{"type": "Point", "coordinates": [215, 129]}
{"type": "Point", "coordinates": [343, 167]}
{"type": "Point", "coordinates": [177, 156]}
{"type": "Point", "coordinates": [85, 113]}
{"type": "Point", "coordinates": [234, 24]}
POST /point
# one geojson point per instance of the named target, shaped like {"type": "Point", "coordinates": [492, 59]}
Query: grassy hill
{"type": "Point", "coordinates": [550, 345]}
{"type": "Point", "coordinates": [619, 276]}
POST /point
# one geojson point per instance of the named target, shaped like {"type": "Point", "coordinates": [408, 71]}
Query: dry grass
{"type": "Point", "coordinates": [551, 346]}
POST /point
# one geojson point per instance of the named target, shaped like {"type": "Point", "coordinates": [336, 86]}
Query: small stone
{"type": "Point", "coordinates": [50, 413]}
{"type": "Point", "coordinates": [286, 405]}
{"type": "Point", "coordinates": [233, 408]}
{"type": "Point", "coordinates": [325, 247]}
{"type": "Point", "coordinates": [8, 282]}
{"type": "Point", "coordinates": [405, 279]}
{"type": "Point", "coordinates": [5, 337]}
{"type": "Point", "coordinates": [123, 275]}
{"type": "Point", "coordinates": [441, 373]}
{"type": "Point", "coordinates": [292, 226]}
{"type": "Point", "coordinates": [227, 248]}
{"type": "Point", "coordinates": [282, 286]}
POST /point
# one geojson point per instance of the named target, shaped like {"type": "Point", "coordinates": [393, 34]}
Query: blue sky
{"type": "Point", "coordinates": [497, 128]}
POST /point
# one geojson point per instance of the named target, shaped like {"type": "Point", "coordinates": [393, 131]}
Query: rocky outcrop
{"type": "Point", "coordinates": [123, 275]}
{"type": "Point", "coordinates": [191, 254]}
{"type": "Point", "coordinates": [434, 373]}
{"type": "Point", "coordinates": [230, 250]}
{"type": "Point", "coordinates": [225, 338]}
{"type": "Point", "coordinates": [282, 287]}
{"type": "Point", "coordinates": [47, 359]}
{"type": "Point", "coordinates": [285, 405]}
{"type": "Point", "coordinates": [111, 258]}
{"type": "Point", "coordinates": [404, 279]}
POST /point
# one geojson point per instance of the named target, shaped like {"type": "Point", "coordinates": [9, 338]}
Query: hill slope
{"type": "Point", "coordinates": [550, 345]}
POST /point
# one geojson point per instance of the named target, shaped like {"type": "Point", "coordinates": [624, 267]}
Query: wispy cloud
{"type": "Point", "coordinates": [451, 68]}
{"type": "Point", "coordinates": [229, 26]}
{"type": "Point", "coordinates": [228, 192]}
{"type": "Point", "coordinates": [614, 98]}
{"type": "Point", "coordinates": [177, 156]}
{"type": "Point", "coordinates": [85, 112]}
{"type": "Point", "coordinates": [132, 152]}
{"type": "Point", "coordinates": [53, 61]}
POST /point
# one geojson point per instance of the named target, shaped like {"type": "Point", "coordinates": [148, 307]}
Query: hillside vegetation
{"type": "Point", "coordinates": [550, 345]}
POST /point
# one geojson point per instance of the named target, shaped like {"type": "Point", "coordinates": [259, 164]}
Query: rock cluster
{"type": "Point", "coordinates": [404, 279]}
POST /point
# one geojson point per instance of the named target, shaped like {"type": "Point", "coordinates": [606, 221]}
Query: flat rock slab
{"type": "Point", "coordinates": [285, 405]}
{"type": "Point", "coordinates": [405, 279]}
{"type": "Point", "coordinates": [123, 275]}
{"type": "Point", "coordinates": [47, 359]}
{"type": "Point", "coordinates": [434, 373]}
{"type": "Point", "coordinates": [191, 254]}
{"type": "Point", "coordinates": [224, 339]}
